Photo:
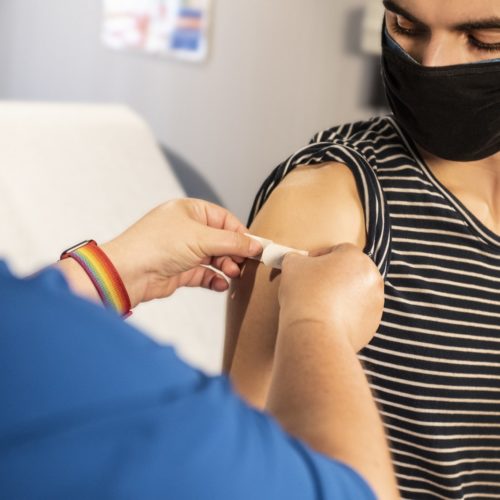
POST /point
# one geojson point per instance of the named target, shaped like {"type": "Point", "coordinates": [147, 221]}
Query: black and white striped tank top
{"type": "Point", "coordinates": [434, 363]}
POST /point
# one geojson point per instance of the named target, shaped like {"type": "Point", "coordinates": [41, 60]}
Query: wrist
{"type": "Point", "coordinates": [141, 265]}
{"type": "Point", "coordinates": [90, 272]}
{"type": "Point", "coordinates": [132, 276]}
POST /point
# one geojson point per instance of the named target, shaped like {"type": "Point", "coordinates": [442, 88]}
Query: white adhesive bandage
{"type": "Point", "coordinates": [273, 254]}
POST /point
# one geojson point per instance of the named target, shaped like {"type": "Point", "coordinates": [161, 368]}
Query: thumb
{"type": "Point", "coordinates": [219, 243]}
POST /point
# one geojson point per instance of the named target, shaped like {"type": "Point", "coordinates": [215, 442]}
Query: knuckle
{"type": "Point", "coordinates": [238, 242]}
{"type": "Point", "coordinates": [235, 238]}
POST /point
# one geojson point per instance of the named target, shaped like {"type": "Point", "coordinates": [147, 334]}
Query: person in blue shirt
{"type": "Point", "coordinates": [91, 408]}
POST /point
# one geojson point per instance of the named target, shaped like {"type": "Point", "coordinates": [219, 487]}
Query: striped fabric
{"type": "Point", "coordinates": [434, 363]}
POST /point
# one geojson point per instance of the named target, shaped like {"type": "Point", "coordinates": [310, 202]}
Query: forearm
{"type": "Point", "coordinates": [320, 394]}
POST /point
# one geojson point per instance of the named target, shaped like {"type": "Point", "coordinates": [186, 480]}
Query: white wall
{"type": "Point", "coordinates": [279, 71]}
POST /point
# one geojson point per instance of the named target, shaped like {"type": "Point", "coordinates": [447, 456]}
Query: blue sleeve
{"type": "Point", "coordinates": [91, 408]}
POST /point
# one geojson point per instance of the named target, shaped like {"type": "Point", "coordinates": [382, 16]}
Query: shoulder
{"type": "Point", "coordinates": [357, 132]}
{"type": "Point", "coordinates": [314, 207]}
{"type": "Point", "coordinates": [360, 145]}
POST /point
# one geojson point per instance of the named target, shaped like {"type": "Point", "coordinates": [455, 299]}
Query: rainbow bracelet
{"type": "Point", "coordinates": [103, 274]}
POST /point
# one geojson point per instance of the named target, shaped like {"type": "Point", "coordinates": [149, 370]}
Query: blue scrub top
{"type": "Point", "coordinates": [91, 408]}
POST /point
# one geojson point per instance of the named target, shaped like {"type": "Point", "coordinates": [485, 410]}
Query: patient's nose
{"type": "Point", "coordinates": [441, 50]}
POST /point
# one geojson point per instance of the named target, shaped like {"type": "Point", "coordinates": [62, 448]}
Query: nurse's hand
{"type": "Point", "coordinates": [169, 247]}
{"type": "Point", "coordinates": [343, 290]}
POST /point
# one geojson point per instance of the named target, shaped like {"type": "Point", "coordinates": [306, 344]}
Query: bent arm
{"type": "Point", "coordinates": [319, 393]}
{"type": "Point", "coordinates": [313, 208]}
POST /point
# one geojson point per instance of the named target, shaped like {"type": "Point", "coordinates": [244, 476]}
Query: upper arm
{"type": "Point", "coordinates": [313, 208]}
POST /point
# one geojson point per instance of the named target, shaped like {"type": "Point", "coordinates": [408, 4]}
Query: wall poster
{"type": "Point", "coordinates": [176, 28]}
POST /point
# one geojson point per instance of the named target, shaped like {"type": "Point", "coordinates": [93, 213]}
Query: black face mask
{"type": "Point", "coordinates": [452, 112]}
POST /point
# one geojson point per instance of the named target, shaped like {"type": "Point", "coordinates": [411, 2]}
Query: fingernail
{"type": "Point", "coordinates": [255, 247]}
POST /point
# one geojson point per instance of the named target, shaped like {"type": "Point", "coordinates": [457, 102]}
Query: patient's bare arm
{"type": "Point", "coordinates": [313, 208]}
{"type": "Point", "coordinates": [319, 392]}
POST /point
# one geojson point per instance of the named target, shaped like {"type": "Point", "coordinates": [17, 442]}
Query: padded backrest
{"type": "Point", "coordinates": [72, 172]}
